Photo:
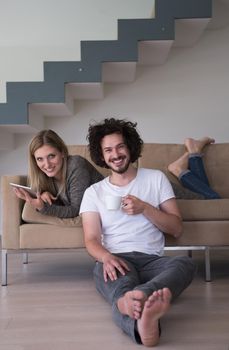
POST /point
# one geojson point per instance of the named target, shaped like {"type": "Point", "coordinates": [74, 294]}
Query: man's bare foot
{"type": "Point", "coordinates": [196, 146]}
{"type": "Point", "coordinates": [132, 303]}
{"type": "Point", "coordinates": [155, 307]}
{"type": "Point", "coordinates": [179, 165]}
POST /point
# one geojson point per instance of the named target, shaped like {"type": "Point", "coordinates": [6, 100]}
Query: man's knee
{"type": "Point", "coordinates": [187, 265]}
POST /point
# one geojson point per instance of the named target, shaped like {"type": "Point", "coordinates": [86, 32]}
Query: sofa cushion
{"type": "Point", "coordinates": [204, 210]}
{"type": "Point", "coordinates": [202, 233]}
{"type": "Point", "coordinates": [183, 193]}
{"type": "Point", "coordinates": [42, 236]}
{"type": "Point", "coordinates": [32, 216]}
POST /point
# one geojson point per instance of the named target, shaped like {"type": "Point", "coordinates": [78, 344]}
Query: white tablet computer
{"type": "Point", "coordinates": [26, 188]}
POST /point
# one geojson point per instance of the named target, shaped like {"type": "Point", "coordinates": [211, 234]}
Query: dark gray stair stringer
{"type": "Point", "coordinates": [94, 53]}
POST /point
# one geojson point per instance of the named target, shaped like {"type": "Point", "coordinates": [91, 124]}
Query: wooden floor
{"type": "Point", "coordinates": [52, 304]}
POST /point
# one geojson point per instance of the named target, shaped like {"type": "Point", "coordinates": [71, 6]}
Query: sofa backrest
{"type": "Point", "coordinates": [216, 162]}
{"type": "Point", "coordinates": [82, 150]}
{"type": "Point", "coordinates": [159, 155]}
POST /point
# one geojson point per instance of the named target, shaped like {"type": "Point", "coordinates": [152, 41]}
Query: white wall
{"type": "Point", "coordinates": [35, 31]}
{"type": "Point", "coordinates": [187, 96]}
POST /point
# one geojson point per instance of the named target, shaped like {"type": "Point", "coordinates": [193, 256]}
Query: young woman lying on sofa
{"type": "Point", "coordinates": [58, 179]}
{"type": "Point", "coordinates": [189, 169]}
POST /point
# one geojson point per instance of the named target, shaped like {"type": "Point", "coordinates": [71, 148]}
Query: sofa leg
{"type": "Point", "coordinates": [25, 258]}
{"type": "Point", "coordinates": [4, 267]}
{"type": "Point", "coordinates": [207, 265]}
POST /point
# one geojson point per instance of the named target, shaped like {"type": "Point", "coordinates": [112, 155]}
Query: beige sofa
{"type": "Point", "coordinates": [206, 222]}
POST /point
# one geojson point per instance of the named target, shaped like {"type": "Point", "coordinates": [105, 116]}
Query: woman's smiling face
{"type": "Point", "coordinates": [49, 160]}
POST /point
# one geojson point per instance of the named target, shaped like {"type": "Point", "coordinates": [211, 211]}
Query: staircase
{"type": "Point", "coordinates": [177, 23]}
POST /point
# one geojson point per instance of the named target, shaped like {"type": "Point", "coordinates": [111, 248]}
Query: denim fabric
{"type": "Point", "coordinates": [195, 178]}
{"type": "Point", "coordinates": [147, 273]}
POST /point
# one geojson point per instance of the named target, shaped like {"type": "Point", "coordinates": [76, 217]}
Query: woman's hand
{"type": "Point", "coordinates": [36, 203]}
{"type": "Point", "coordinates": [47, 197]}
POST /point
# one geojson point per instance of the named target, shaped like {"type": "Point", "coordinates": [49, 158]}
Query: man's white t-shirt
{"type": "Point", "coordinates": [123, 232]}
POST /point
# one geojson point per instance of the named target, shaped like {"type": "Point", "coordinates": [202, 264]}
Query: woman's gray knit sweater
{"type": "Point", "coordinates": [80, 175]}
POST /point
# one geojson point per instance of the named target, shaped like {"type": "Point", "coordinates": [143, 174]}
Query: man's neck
{"type": "Point", "coordinates": [125, 178]}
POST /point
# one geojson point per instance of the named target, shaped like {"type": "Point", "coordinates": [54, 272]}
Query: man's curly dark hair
{"type": "Point", "coordinates": [127, 129]}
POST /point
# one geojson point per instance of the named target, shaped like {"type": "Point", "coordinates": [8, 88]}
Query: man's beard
{"type": "Point", "coordinates": [120, 170]}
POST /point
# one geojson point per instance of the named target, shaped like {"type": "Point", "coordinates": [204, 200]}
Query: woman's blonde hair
{"type": "Point", "coordinates": [39, 181]}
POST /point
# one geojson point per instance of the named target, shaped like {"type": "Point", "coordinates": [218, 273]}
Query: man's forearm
{"type": "Point", "coordinates": [167, 223]}
{"type": "Point", "coordinates": [96, 250]}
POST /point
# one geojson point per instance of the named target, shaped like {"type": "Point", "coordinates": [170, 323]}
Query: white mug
{"type": "Point", "coordinates": [113, 202]}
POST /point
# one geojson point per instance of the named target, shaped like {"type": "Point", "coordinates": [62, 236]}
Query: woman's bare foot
{"type": "Point", "coordinates": [132, 303]}
{"type": "Point", "coordinates": [155, 307]}
{"type": "Point", "coordinates": [196, 146]}
{"type": "Point", "coordinates": [179, 165]}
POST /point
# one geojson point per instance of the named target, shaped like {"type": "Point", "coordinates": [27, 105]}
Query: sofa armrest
{"type": "Point", "coordinates": [11, 211]}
